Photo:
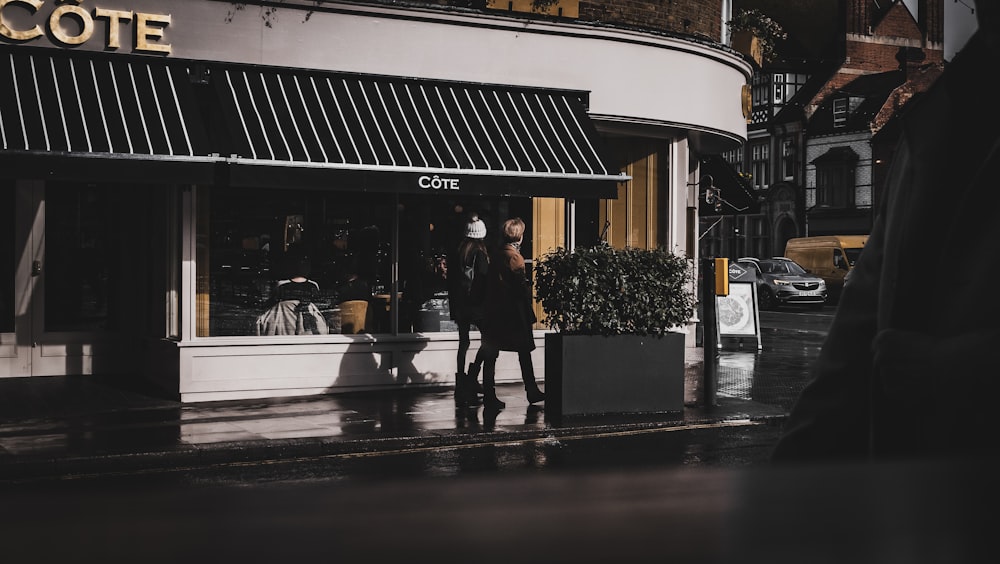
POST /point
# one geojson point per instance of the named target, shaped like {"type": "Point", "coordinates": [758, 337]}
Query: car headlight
{"type": "Point", "coordinates": [781, 282]}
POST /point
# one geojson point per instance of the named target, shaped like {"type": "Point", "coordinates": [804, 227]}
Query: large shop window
{"type": "Point", "coordinates": [254, 240]}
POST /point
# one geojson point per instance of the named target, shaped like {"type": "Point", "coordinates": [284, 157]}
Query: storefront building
{"type": "Point", "coordinates": [163, 164]}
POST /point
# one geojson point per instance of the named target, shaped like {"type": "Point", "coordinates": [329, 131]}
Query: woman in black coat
{"type": "Point", "coordinates": [509, 315]}
{"type": "Point", "coordinates": [881, 387]}
{"type": "Point", "coordinates": [467, 273]}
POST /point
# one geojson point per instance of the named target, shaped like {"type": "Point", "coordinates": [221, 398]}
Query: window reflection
{"type": "Point", "coordinates": [332, 251]}
{"type": "Point", "coordinates": [259, 240]}
{"type": "Point", "coordinates": [431, 229]}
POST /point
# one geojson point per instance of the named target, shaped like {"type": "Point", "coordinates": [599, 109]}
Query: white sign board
{"type": "Point", "coordinates": [737, 313]}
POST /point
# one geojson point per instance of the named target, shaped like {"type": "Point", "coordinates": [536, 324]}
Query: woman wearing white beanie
{"type": "Point", "coordinates": [466, 297]}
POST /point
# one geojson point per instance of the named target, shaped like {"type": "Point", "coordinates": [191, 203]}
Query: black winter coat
{"type": "Point", "coordinates": [509, 314]}
{"type": "Point", "coordinates": [466, 299]}
{"type": "Point", "coordinates": [905, 369]}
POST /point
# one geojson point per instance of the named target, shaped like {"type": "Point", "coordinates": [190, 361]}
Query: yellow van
{"type": "Point", "coordinates": [830, 257]}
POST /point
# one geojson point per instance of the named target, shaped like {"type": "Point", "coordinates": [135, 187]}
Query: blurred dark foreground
{"type": "Point", "coordinates": [894, 512]}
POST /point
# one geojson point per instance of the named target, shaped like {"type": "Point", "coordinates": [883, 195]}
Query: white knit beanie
{"type": "Point", "coordinates": [475, 229]}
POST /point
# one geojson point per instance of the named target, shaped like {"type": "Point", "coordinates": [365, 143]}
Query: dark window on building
{"type": "Point", "coordinates": [788, 158]}
{"type": "Point", "coordinates": [761, 97]}
{"type": "Point", "coordinates": [735, 158]}
{"type": "Point", "coordinates": [770, 93]}
{"type": "Point", "coordinates": [760, 165]}
{"type": "Point", "coordinates": [835, 178]}
{"type": "Point", "coordinates": [786, 85]}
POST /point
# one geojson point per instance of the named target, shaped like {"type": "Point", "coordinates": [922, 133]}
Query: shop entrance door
{"type": "Point", "coordinates": [15, 356]}
{"type": "Point", "coordinates": [56, 278]}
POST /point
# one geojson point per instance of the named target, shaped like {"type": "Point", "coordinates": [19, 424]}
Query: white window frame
{"type": "Point", "coordinates": [840, 112]}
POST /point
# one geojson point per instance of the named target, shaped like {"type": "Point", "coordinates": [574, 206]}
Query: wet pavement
{"type": "Point", "coordinates": [62, 427]}
{"type": "Point", "coordinates": [681, 507]}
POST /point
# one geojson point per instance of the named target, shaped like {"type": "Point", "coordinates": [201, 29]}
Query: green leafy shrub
{"type": "Point", "coordinates": [607, 291]}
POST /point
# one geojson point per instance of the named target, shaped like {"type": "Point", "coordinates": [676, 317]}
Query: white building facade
{"type": "Point", "coordinates": [163, 163]}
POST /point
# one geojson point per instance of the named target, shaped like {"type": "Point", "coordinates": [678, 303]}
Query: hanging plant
{"type": "Point", "coordinates": [767, 31]}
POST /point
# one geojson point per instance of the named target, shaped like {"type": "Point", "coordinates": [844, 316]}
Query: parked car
{"type": "Point", "coordinates": [830, 257]}
{"type": "Point", "coordinates": [781, 281]}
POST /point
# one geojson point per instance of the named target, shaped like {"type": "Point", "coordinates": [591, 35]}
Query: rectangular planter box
{"type": "Point", "coordinates": [591, 375]}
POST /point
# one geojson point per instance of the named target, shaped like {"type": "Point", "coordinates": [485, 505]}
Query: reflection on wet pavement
{"type": "Point", "coordinates": [774, 376]}
{"type": "Point", "coordinates": [79, 420]}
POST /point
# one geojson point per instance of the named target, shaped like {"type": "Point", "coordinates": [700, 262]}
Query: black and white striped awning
{"type": "Point", "coordinates": [104, 116]}
{"type": "Point", "coordinates": [496, 139]}
{"type": "Point", "coordinates": [57, 108]}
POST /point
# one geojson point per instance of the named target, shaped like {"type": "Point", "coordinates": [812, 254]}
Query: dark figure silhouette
{"type": "Point", "coordinates": [904, 369]}
{"type": "Point", "coordinates": [509, 316]}
{"type": "Point", "coordinates": [467, 273]}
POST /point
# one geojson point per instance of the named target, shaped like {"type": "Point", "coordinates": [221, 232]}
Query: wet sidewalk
{"type": "Point", "coordinates": [73, 426]}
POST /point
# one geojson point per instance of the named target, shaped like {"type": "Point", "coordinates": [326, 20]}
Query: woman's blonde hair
{"type": "Point", "coordinates": [513, 229]}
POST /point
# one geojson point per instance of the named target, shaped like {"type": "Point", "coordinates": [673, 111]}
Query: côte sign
{"type": "Point", "coordinates": [71, 24]}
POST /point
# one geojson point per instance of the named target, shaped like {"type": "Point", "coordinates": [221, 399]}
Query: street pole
{"type": "Point", "coordinates": [711, 332]}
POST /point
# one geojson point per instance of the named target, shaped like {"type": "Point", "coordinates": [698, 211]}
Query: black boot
{"type": "Point", "coordinates": [460, 384]}
{"type": "Point", "coordinates": [465, 393]}
{"type": "Point", "coordinates": [474, 384]}
{"type": "Point", "coordinates": [535, 395]}
{"type": "Point", "coordinates": [528, 377]}
{"type": "Point", "coordinates": [493, 403]}
{"type": "Point", "coordinates": [490, 399]}
{"type": "Point", "coordinates": [471, 397]}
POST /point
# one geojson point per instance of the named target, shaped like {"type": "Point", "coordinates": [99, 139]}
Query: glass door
{"type": "Point", "coordinates": [78, 269]}
{"type": "Point", "coordinates": [57, 310]}
{"type": "Point", "coordinates": [15, 279]}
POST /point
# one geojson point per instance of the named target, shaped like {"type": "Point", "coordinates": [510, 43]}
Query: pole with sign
{"type": "Point", "coordinates": [709, 286]}
{"type": "Point", "coordinates": [738, 312]}
{"type": "Point", "coordinates": [715, 283]}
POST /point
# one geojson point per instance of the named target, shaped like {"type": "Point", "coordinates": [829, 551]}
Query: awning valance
{"type": "Point", "coordinates": [430, 135]}
{"type": "Point", "coordinates": [126, 113]}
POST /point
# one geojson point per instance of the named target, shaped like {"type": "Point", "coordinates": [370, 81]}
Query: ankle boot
{"type": "Point", "coordinates": [490, 399]}
{"type": "Point", "coordinates": [535, 395]}
{"type": "Point", "coordinates": [473, 373]}
{"type": "Point", "coordinates": [460, 387]}
{"type": "Point", "coordinates": [469, 390]}
{"type": "Point", "coordinates": [528, 377]}
{"type": "Point", "coordinates": [493, 403]}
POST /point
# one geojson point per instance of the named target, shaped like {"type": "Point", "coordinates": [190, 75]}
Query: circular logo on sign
{"type": "Point", "coordinates": [734, 315]}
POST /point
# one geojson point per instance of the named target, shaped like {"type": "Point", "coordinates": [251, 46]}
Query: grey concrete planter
{"type": "Point", "coordinates": [593, 374]}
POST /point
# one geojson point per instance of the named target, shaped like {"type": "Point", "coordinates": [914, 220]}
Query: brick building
{"type": "Point", "coordinates": [816, 108]}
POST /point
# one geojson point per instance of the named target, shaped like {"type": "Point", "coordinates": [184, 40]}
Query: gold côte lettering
{"type": "Point", "coordinates": [86, 22]}
{"type": "Point", "coordinates": [20, 34]}
{"type": "Point", "coordinates": [150, 26]}
{"type": "Point", "coordinates": [114, 17]}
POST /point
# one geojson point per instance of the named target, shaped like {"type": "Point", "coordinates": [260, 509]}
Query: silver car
{"type": "Point", "coordinates": [781, 281]}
